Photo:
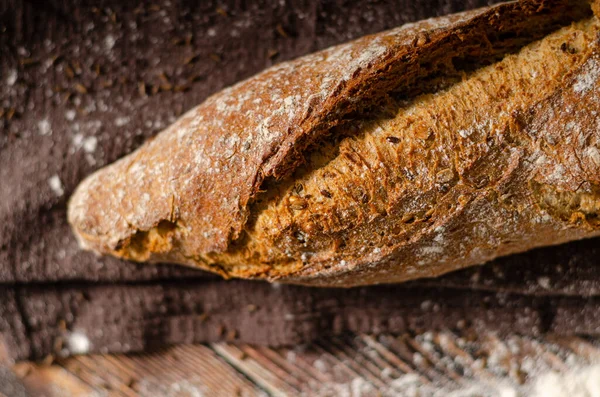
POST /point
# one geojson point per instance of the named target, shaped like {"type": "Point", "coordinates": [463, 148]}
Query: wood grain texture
{"type": "Point", "coordinates": [519, 294]}
{"type": "Point", "coordinates": [353, 365]}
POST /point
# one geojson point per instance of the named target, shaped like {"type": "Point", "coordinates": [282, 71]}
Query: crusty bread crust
{"type": "Point", "coordinates": [449, 189]}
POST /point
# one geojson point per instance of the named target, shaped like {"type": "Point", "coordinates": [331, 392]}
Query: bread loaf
{"type": "Point", "coordinates": [405, 154]}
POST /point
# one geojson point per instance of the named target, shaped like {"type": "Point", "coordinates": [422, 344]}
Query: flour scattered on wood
{"type": "Point", "coordinates": [578, 382]}
{"type": "Point", "coordinates": [90, 143]}
{"type": "Point", "coordinates": [109, 42]}
{"type": "Point", "coordinates": [70, 115]}
{"type": "Point", "coordinates": [11, 79]}
{"type": "Point", "coordinates": [121, 121]}
{"type": "Point", "coordinates": [44, 127]}
{"type": "Point", "coordinates": [544, 282]}
{"type": "Point", "coordinates": [186, 387]}
{"type": "Point", "coordinates": [56, 185]}
{"type": "Point", "coordinates": [77, 343]}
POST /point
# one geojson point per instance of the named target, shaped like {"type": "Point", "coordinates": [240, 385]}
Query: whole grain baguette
{"type": "Point", "coordinates": [405, 154]}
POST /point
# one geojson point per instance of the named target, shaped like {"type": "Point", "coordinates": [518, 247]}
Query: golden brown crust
{"type": "Point", "coordinates": [468, 175]}
{"type": "Point", "coordinates": [186, 195]}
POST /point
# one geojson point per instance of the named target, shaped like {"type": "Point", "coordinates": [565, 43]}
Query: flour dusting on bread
{"type": "Point", "coordinates": [338, 167]}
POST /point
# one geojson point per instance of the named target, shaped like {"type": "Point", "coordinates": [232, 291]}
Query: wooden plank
{"type": "Point", "coordinates": [399, 347]}
{"type": "Point", "coordinates": [352, 358]}
{"type": "Point", "coordinates": [579, 346]}
{"type": "Point", "coordinates": [447, 342]}
{"type": "Point", "coordinates": [44, 380]}
{"type": "Point", "coordinates": [387, 370]}
{"type": "Point", "coordinates": [90, 376]}
{"type": "Point", "coordinates": [217, 374]}
{"type": "Point", "coordinates": [253, 370]}
{"type": "Point", "coordinates": [303, 373]}
{"type": "Point", "coordinates": [352, 365]}
{"type": "Point", "coordinates": [392, 358]}
{"type": "Point", "coordinates": [282, 373]}
{"type": "Point", "coordinates": [424, 347]}
{"type": "Point", "coordinates": [93, 367]}
{"type": "Point", "coordinates": [329, 362]}
{"type": "Point", "coordinates": [305, 359]}
{"type": "Point", "coordinates": [191, 368]}
{"type": "Point", "coordinates": [195, 369]}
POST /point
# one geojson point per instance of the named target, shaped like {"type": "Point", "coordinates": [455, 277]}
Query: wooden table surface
{"type": "Point", "coordinates": [351, 365]}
